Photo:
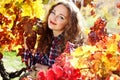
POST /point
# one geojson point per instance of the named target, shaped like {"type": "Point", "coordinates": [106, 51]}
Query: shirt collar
{"type": "Point", "coordinates": [59, 37]}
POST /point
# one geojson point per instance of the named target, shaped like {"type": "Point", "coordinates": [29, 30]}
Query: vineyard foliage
{"type": "Point", "coordinates": [20, 18]}
{"type": "Point", "coordinates": [17, 16]}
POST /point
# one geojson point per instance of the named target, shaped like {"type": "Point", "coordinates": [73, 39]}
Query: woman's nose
{"type": "Point", "coordinates": [55, 18]}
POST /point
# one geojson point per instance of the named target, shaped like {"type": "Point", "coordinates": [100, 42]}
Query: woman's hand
{"type": "Point", "coordinates": [35, 69]}
{"type": "Point", "coordinates": [40, 67]}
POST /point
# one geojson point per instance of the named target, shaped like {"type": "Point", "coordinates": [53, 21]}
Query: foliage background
{"type": "Point", "coordinates": [37, 8]}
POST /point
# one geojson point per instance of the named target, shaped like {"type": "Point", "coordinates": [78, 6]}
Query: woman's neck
{"type": "Point", "coordinates": [56, 33]}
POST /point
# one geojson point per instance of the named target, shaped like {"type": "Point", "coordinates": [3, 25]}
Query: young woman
{"type": "Point", "coordinates": [63, 23]}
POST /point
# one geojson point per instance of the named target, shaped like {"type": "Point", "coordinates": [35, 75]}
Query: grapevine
{"type": "Point", "coordinates": [15, 23]}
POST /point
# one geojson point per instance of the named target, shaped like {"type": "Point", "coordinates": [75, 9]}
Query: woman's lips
{"type": "Point", "coordinates": [53, 23]}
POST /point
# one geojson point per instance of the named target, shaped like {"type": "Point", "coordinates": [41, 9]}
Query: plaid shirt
{"type": "Point", "coordinates": [45, 59]}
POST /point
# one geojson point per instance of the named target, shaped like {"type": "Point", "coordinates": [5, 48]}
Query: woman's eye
{"type": "Point", "coordinates": [61, 17]}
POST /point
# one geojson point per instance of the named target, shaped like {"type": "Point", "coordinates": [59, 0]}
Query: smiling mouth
{"type": "Point", "coordinates": [53, 23]}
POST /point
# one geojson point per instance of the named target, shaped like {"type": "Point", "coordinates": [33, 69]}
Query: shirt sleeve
{"type": "Point", "coordinates": [27, 55]}
{"type": "Point", "coordinates": [30, 59]}
{"type": "Point", "coordinates": [41, 58]}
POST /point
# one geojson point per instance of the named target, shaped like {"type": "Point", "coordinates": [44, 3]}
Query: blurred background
{"type": "Point", "coordinates": [12, 13]}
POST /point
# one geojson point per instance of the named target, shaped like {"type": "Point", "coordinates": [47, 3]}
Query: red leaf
{"type": "Point", "coordinates": [118, 5]}
{"type": "Point", "coordinates": [58, 71]}
{"type": "Point", "coordinates": [109, 56]}
{"type": "Point", "coordinates": [41, 76]}
{"type": "Point", "coordinates": [51, 75]}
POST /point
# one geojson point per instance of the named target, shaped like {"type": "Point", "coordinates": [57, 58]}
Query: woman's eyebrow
{"type": "Point", "coordinates": [60, 13]}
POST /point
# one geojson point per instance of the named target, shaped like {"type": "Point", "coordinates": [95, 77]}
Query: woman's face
{"type": "Point", "coordinates": [58, 19]}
